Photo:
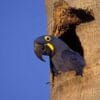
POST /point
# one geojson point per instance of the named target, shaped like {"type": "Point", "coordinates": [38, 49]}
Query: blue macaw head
{"type": "Point", "coordinates": [44, 45]}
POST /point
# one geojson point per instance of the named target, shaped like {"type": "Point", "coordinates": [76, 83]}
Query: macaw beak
{"type": "Point", "coordinates": [43, 49]}
{"type": "Point", "coordinates": [38, 51]}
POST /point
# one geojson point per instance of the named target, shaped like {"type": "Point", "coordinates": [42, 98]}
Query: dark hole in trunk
{"type": "Point", "coordinates": [72, 40]}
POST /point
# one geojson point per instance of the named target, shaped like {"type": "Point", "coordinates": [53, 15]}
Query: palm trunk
{"type": "Point", "coordinates": [67, 86]}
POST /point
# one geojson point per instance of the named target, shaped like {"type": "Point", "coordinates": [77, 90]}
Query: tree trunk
{"type": "Point", "coordinates": [67, 86]}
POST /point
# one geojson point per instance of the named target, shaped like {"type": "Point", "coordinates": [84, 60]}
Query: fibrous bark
{"type": "Point", "coordinates": [77, 22]}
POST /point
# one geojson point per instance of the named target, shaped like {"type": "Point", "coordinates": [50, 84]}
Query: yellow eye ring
{"type": "Point", "coordinates": [47, 38]}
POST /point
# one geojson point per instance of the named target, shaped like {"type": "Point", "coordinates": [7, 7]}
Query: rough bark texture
{"type": "Point", "coordinates": [67, 86]}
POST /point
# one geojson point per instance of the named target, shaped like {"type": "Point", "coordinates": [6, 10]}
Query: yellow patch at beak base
{"type": "Point", "coordinates": [50, 46]}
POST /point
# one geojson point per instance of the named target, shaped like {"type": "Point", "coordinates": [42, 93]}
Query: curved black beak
{"type": "Point", "coordinates": [38, 50]}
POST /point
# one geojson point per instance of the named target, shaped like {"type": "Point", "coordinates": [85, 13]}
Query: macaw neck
{"type": "Point", "coordinates": [60, 46]}
{"type": "Point", "coordinates": [58, 50]}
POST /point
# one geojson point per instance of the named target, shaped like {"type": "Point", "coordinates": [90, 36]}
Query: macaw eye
{"type": "Point", "coordinates": [47, 38]}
